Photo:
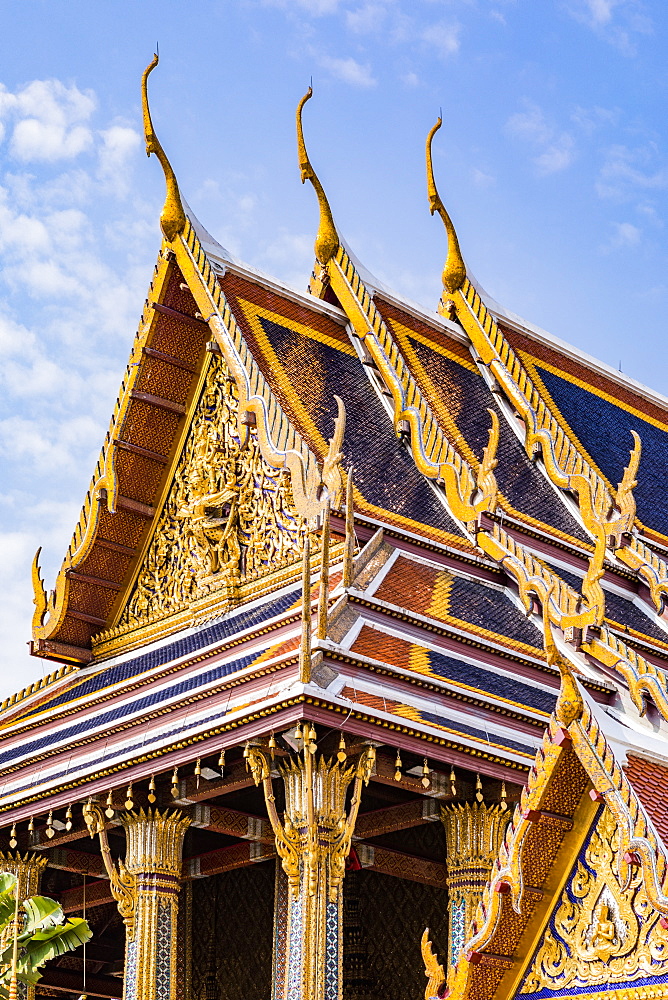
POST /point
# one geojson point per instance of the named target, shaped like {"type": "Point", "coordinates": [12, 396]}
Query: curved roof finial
{"type": "Point", "coordinates": [454, 271]}
{"type": "Point", "coordinates": [173, 218]}
{"type": "Point", "coordinates": [327, 240]}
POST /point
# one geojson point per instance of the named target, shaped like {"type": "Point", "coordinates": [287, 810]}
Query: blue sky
{"type": "Point", "coordinates": [553, 161]}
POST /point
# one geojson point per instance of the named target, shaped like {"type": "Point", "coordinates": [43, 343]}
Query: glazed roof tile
{"type": "Point", "coordinates": [459, 600]}
{"type": "Point", "coordinates": [233, 624]}
{"type": "Point", "coordinates": [475, 678]}
{"type": "Point", "coordinates": [308, 359]}
{"type": "Point", "coordinates": [451, 380]}
{"type": "Point", "coordinates": [650, 783]}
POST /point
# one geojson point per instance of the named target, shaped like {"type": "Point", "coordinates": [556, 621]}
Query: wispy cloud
{"type": "Point", "coordinates": [348, 70]}
{"type": "Point", "coordinates": [555, 149]}
{"type": "Point", "coordinates": [619, 22]}
{"type": "Point", "coordinates": [443, 37]}
{"type": "Point", "coordinates": [629, 171]}
{"type": "Point", "coordinates": [624, 236]}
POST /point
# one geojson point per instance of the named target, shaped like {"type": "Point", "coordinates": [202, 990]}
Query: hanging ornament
{"type": "Point", "coordinates": [110, 812]}
{"type": "Point", "coordinates": [298, 733]}
{"type": "Point", "coordinates": [221, 762]}
{"type": "Point", "coordinates": [504, 797]}
{"type": "Point", "coordinates": [31, 825]}
{"type": "Point", "coordinates": [12, 837]}
{"type": "Point", "coordinates": [151, 790]}
{"type": "Point", "coordinates": [129, 801]}
{"type": "Point", "coordinates": [312, 736]}
{"type": "Point", "coordinates": [426, 774]}
{"type": "Point", "coordinates": [478, 789]}
{"type": "Point", "coordinates": [198, 770]}
{"type": "Point", "coordinates": [50, 832]}
{"type": "Point", "coordinates": [342, 755]}
{"type": "Point", "coordinates": [175, 783]}
{"type": "Point", "coordinates": [453, 782]}
{"type": "Point", "coordinates": [272, 745]}
{"type": "Point", "coordinates": [397, 767]}
{"type": "Point", "coordinates": [68, 819]}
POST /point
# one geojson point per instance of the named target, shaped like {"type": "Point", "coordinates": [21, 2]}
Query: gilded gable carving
{"type": "Point", "coordinates": [229, 517]}
{"type": "Point", "coordinates": [599, 933]}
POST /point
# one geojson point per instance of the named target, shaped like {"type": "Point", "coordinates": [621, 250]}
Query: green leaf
{"type": "Point", "coordinates": [48, 944]}
{"type": "Point", "coordinates": [41, 914]}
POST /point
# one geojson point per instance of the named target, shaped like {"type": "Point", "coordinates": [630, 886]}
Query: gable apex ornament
{"type": "Point", "coordinates": [327, 239]}
{"type": "Point", "coordinates": [173, 217]}
{"type": "Point", "coordinates": [454, 271]}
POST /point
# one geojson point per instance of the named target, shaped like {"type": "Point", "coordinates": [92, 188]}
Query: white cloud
{"type": "Point", "coordinates": [368, 18]}
{"type": "Point", "coordinates": [119, 144]}
{"type": "Point", "coordinates": [348, 70]}
{"type": "Point", "coordinates": [530, 124]}
{"type": "Point", "coordinates": [619, 22]}
{"type": "Point", "coordinates": [443, 37]}
{"type": "Point", "coordinates": [626, 171]}
{"type": "Point", "coordinates": [555, 149]}
{"type": "Point", "coordinates": [411, 79]}
{"type": "Point", "coordinates": [50, 121]}
{"type": "Point", "coordinates": [558, 156]}
{"type": "Point", "coordinates": [483, 179]}
{"type": "Point", "coordinates": [624, 235]}
{"type": "Point", "coordinates": [316, 8]}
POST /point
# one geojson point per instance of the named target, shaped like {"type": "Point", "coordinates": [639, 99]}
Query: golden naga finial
{"type": "Point", "coordinates": [173, 218]}
{"type": "Point", "coordinates": [327, 240]}
{"type": "Point", "coordinates": [454, 271]}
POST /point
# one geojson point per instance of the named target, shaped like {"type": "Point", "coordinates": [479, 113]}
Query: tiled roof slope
{"type": "Point", "coordinates": [600, 415]}
{"type": "Point", "coordinates": [650, 783]}
{"type": "Point", "coordinates": [450, 379]}
{"type": "Point", "coordinates": [459, 601]}
{"type": "Point", "coordinates": [307, 359]}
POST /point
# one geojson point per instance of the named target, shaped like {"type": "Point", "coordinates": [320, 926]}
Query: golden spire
{"type": "Point", "coordinates": [173, 218]}
{"type": "Point", "coordinates": [454, 271]}
{"type": "Point", "coordinates": [327, 240]}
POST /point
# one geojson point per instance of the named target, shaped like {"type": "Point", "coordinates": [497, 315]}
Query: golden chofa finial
{"type": "Point", "coordinates": [173, 218]}
{"type": "Point", "coordinates": [454, 271]}
{"type": "Point", "coordinates": [327, 240]}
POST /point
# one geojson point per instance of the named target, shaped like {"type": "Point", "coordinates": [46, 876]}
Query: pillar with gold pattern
{"type": "Point", "coordinates": [151, 873]}
{"type": "Point", "coordinates": [474, 833]}
{"type": "Point", "coordinates": [28, 869]}
{"type": "Point", "coordinates": [313, 842]}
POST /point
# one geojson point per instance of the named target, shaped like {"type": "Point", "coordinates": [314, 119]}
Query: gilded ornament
{"type": "Point", "coordinates": [228, 516]}
{"type": "Point", "coordinates": [173, 218]}
{"type": "Point", "coordinates": [454, 272]}
{"type": "Point", "coordinates": [433, 969]}
{"type": "Point", "coordinates": [327, 239]}
{"type": "Point", "coordinates": [601, 932]}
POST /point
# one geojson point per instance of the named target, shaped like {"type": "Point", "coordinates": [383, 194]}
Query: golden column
{"type": "Point", "coordinates": [474, 833]}
{"type": "Point", "coordinates": [313, 842]}
{"type": "Point", "coordinates": [28, 870]}
{"type": "Point", "coordinates": [146, 889]}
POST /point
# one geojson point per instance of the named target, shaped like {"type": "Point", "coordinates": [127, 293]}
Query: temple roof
{"type": "Point", "coordinates": [492, 475]}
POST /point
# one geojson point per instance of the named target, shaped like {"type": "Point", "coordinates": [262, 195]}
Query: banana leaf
{"type": "Point", "coordinates": [48, 944]}
{"type": "Point", "coordinates": [42, 913]}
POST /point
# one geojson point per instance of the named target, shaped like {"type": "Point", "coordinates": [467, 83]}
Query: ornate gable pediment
{"type": "Point", "coordinates": [600, 933]}
{"type": "Point", "coordinates": [227, 519]}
